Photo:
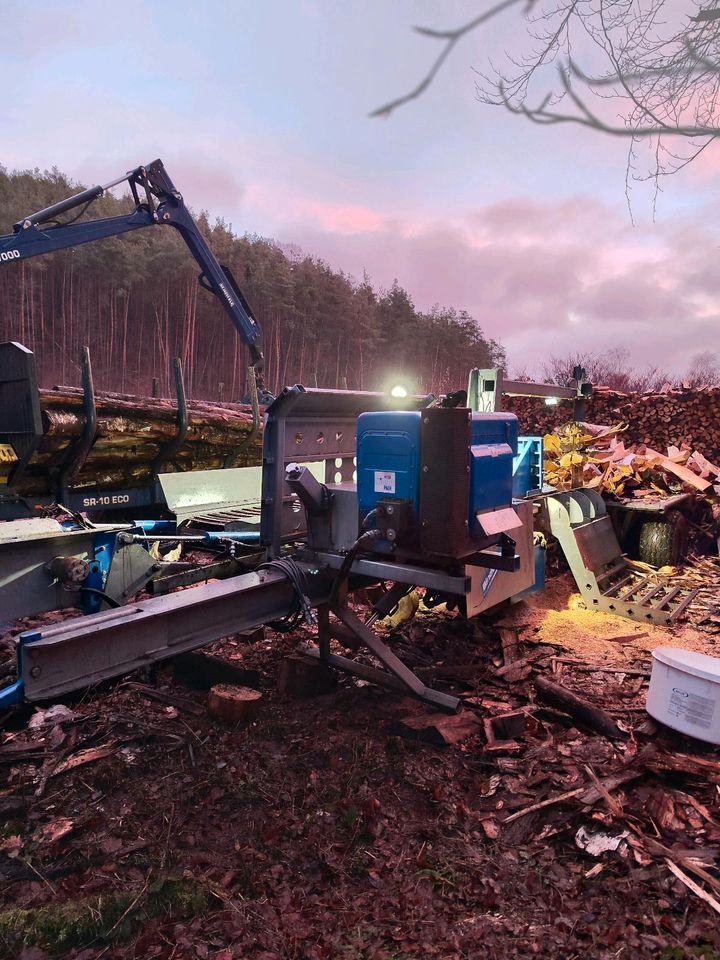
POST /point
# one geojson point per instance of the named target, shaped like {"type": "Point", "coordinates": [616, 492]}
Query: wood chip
{"type": "Point", "coordinates": [691, 885]}
{"type": "Point", "coordinates": [83, 757]}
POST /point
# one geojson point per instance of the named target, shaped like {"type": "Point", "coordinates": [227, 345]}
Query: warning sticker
{"type": "Point", "coordinates": [691, 708]}
{"type": "Point", "coordinates": [488, 580]}
{"type": "Point", "coordinates": [7, 454]}
{"type": "Point", "coordinates": [384, 482]}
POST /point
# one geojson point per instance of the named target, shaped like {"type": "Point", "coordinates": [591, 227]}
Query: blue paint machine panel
{"type": "Point", "coordinates": [388, 457]}
{"type": "Point", "coordinates": [494, 445]}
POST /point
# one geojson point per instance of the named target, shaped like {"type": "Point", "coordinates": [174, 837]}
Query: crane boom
{"type": "Point", "coordinates": [157, 202]}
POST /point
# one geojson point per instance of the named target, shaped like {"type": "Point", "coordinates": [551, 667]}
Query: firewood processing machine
{"type": "Point", "coordinates": [356, 489]}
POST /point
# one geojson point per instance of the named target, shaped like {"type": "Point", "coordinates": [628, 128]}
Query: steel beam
{"type": "Point", "coordinates": [400, 573]}
{"type": "Point", "coordinates": [77, 653]}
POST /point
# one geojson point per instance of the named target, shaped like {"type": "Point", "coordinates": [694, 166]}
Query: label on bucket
{"type": "Point", "coordinates": [691, 708]}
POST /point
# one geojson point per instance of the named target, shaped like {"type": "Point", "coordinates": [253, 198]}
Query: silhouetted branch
{"type": "Point", "coordinates": [666, 80]}
{"type": "Point", "coordinates": [451, 37]}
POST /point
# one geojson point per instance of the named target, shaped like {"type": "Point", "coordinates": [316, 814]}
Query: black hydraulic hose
{"type": "Point", "coordinates": [303, 610]}
{"type": "Point", "coordinates": [362, 543]}
{"type": "Point", "coordinates": [110, 601]}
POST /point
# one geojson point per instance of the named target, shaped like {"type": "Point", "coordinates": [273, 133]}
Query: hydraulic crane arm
{"type": "Point", "coordinates": [157, 202]}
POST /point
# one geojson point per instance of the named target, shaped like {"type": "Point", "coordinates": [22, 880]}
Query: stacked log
{"type": "Point", "coordinates": [689, 417]}
{"type": "Point", "coordinates": [131, 433]}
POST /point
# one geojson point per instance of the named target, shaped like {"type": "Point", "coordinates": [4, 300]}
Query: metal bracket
{"type": "Point", "coordinates": [20, 416]}
{"type": "Point", "coordinates": [172, 446]}
{"type": "Point", "coordinates": [486, 389]}
{"type": "Point", "coordinates": [82, 447]}
{"type": "Point", "coordinates": [230, 459]}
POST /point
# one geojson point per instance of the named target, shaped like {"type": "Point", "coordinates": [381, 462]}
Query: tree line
{"type": "Point", "coordinates": [135, 302]}
{"type": "Point", "coordinates": [614, 368]}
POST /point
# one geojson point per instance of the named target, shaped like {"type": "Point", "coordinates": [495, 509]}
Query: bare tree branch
{"type": "Point", "coordinates": [659, 65]}
{"type": "Point", "coordinates": [451, 37]}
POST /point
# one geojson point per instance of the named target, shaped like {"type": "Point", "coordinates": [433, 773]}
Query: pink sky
{"type": "Point", "coordinates": [260, 113]}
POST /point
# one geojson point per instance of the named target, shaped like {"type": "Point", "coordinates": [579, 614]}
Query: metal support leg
{"type": "Point", "coordinates": [398, 672]}
{"type": "Point", "coordinates": [323, 613]}
{"type": "Point", "coordinates": [173, 445]}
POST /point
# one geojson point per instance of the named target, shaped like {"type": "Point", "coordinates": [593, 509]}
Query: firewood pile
{"type": "Point", "coordinates": [699, 573]}
{"type": "Point", "coordinates": [131, 433]}
{"type": "Point", "coordinates": [583, 454]}
{"type": "Point", "coordinates": [675, 417]}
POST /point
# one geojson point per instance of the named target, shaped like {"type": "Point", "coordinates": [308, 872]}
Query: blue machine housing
{"type": "Point", "coordinates": [388, 457]}
{"type": "Point", "coordinates": [389, 462]}
{"type": "Point", "coordinates": [528, 467]}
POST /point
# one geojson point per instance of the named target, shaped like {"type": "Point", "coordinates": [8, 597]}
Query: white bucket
{"type": "Point", "coordinates": [685, 692]}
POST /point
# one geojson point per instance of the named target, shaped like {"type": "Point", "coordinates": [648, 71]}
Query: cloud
{"type": "Point", "coordinates": [341, 218]}
{"type": "Point", "coordinates": [543, 277]}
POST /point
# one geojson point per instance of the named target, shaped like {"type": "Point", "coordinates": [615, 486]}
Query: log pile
{"type": "Point", "coordinates": [675, 417]}
{"type": "Point", "coordinates": [131, 432]}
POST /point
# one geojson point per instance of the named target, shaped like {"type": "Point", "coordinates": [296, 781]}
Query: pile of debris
{"type": "Point", "coordinates": [131, 434]}
{"type": "Point", "coordinates": [586, 455]}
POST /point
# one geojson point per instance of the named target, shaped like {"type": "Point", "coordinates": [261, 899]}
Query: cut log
{"type": "Point", "coordinates": [689, 417]}
{"type": "Point", "coordinates": [231, 704]}
{"type": "Point", "coordinates": [585, 713]}
{"type": "Point", "coordinates": [131, 433]}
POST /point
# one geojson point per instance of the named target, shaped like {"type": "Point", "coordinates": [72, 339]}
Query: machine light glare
{"type": "Point", "coordinates": [551, 401]}
{"type": "Point", "coordinates": [398, 391]}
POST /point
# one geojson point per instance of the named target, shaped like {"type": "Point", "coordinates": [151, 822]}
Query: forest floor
{"type": "Point", "coordinates": [136, 826]}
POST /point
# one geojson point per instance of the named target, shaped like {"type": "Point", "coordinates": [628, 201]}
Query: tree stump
{"type": "Point", "coordinates": [300, 677]}
{"type": "Point", "coordinates": [231, 704]}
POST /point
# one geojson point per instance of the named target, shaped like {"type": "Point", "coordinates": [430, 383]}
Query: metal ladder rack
{"type": "Point", "coordinates": [579, 521]}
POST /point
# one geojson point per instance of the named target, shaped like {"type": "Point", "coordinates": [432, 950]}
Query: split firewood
{"type": "Point", "coordinates": [676, 419]}
{"type": "Point", "coordinates": [519, 669]}
{"type": "Point", "coordinates": [300, 677]}
{"type": "Point", "coordinates": [512, 646]}
{"type": "Point", "coordinates": [438, 729]}
{"type": "Point", "coordinates": [694, 887]}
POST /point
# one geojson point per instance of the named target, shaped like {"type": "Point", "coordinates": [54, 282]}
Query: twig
{"type": "Point", "coordinates": [451, 37]}
{"type": "Point", "coordinates": [612, 803]}
{"type": "Point", "coordinates": [130, 908]}
{"type": "Point", "coordinates": [558, 798]}
{"type": "Point", "coordinates": [691, 885]}
{"type": "Point", "coordinates": [167, 837]}
{"type": "Point", "coordinates": [37, 873]}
